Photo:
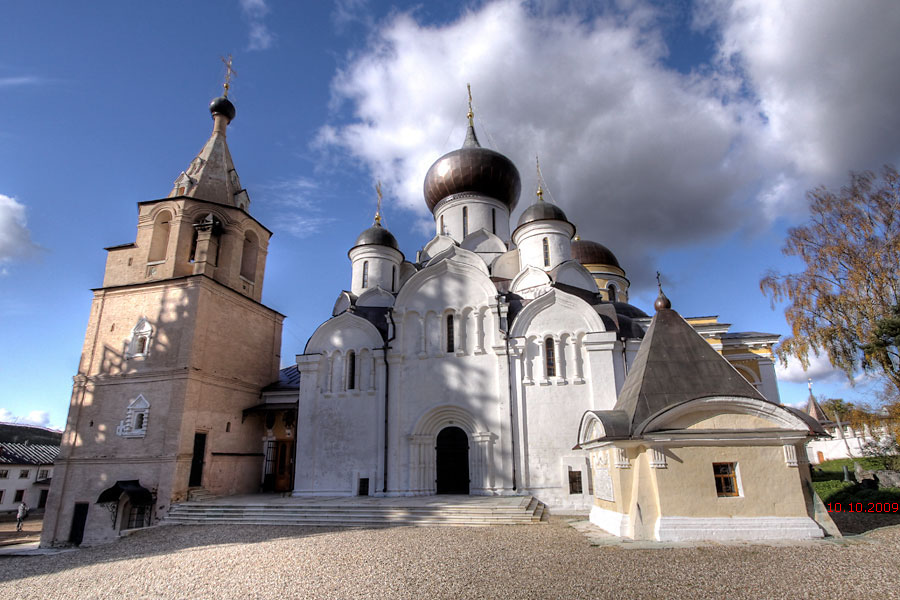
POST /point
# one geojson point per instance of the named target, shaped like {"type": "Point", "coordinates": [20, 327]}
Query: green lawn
{"type": "Point", "coordinates": [828, 480]}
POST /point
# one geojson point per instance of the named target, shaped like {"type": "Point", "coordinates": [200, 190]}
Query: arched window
{"type": "Point", "coordinates": [465, 221]}
{"type": "Point", "coordinates": [549, 357]}
{"type": "Point", "coordinates": [139, 345]}
{"type": "Point", "coordinates": [494, 220]}
{"type": "Point", "coordinates": [365, 276]}
{"type": "Point", "coordinates": [443, 230]}
{"type": "Point", "coordinates": [611, 292]}
{"type": "Point", "coordinates": [249, 256]}
{"type": "Point", "coordinates": [546, 245]}
{"type": "Point", "coordinates": [160, 241]}
{"type": "Point", "coordinates": [393, 278]}
{"type": "Point", "coordinates": [449, 333]}
{"type": "Point", "coordinates": [351, 370]}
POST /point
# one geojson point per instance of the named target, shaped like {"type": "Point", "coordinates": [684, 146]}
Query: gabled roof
{"type": "Point", "coordinates": [27, 454]}
{"type": "Point", "coordinates": [673, 365]}
{"type": "Point", "coordinates": [814, 410]}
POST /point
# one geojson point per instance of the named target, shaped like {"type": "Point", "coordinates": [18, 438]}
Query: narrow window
{"type": "Point", "coordinates": [228, 427]}
{"type": "Point", "coordinates": [611, 292]}
{"type": "Point", "coordinates": [546, 252]}
{"type": "Point", "coordinates": [449, 333]}
{"type": "Point", "coordinates": [726, 480]}
{"type": "Point", "coordinates": [140, 346]}
{"type": "Point", "coordinates": [159, 242]}
{"type": "Point", "coordinates": [393, 278]}
{"type": "Point", "coordinates": [139, 421]}
{"type": "Point", "coordinates": [351, 370]}
{"type": "Point", "coordinates": [443, 231]}
{"type": "Point", "coordinates": [465, 221]}
{"type": "Point", "coordinates": [249, 255]}
{"type": "Point", "coordinates": [494, 220]}
{"type": "Point", "coordinates": [550, 357]}
{"type": "Point", "coordinates": [365, 281]}
{"type": "Point", "coordinates": [575, 482]}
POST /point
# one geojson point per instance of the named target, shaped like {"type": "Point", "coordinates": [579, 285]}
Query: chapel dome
{"type": "Point", "coordinates": [591, 253]}
{"type": "Point", "coordinates": [472, 169]}
{"type": "Point", "coordinates": [222, 106]}
{"type": "Point", "coordinates": [376, 235]}
{"type": "Point", "coordinates": [542, 211]}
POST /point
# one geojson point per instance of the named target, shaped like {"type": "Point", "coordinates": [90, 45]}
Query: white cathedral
{"type": "Point", "coordinates": [498, 360]}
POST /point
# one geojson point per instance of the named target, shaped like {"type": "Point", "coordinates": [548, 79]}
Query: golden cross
{"type": "Point", "coordinates": [470, 115]}
{"type": "Point", "coordinates": [540, 190]}
{"type": "Point", "coordinates": [229, 73]}
{"type": "Point", "coordinates": [378, 209]}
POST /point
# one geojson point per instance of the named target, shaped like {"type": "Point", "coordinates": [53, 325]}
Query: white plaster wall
{"type": "Point", "coordinates": [529, 240]}
{"type": "Point", "coordinates": [479, 217]}
{"type": "Point", "coordinates": [382, 262]}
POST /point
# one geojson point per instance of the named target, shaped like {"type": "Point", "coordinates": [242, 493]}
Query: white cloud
{"type": "Point", "coordinates": [261, 38]}
{"type": "Point", "coordinates": [297, 206]}
{"type": "Point", "coordinates": [40, 418]}
{"type": "Point", "coordinates": [15, 240]}
{"type": "Point", "coordinates": [819, 370]}
{"type": "Point", "coordinates": [6, 82]}
{"type": "Point", "coordinates": [640, 156]}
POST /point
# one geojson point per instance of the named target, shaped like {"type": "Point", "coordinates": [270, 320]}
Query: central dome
{"type": "Point", "coordinates": [475, 170]}
{"type": "Point", "coordinates": [591, 253]}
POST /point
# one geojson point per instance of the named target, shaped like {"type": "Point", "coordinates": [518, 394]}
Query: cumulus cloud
{"type": "Point", "coordinates": [819, 370]}
{"type": "Point", "coordinates": [15, 240]}
{"type": "Point", "coordinates": [261, 37]}
{"type": "Point", "coordinates": [40, 418]}
{"type": "Point", "coordinates": [641, 157]}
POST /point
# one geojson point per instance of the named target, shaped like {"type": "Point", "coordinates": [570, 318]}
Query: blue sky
{"type": "Point", "coordinates": [681, 135]}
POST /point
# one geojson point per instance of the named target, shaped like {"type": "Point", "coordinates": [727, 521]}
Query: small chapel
{"type": "Point", "coordinates": [501, 358]}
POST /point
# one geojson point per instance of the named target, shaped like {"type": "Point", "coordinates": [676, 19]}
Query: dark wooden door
{"type": "Point", "coordinates": [79, 518]}
{"type": "Point", "coordinates": [452, 461]}
{"type": "Point", "coordinates": [284, 465]}
{"type": "Point", "coordinates": [196, 477]}
{"type": "Point", "coordinates": [42, 502]}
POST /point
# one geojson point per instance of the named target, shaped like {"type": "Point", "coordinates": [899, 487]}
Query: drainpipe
{"type": "Point", "coordinates": [387, 387]}
{"type": "Point", "coordinates": [509, 383]}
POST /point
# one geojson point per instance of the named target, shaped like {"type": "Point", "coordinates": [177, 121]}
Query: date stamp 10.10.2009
{"type": "Point", "coordinates": [863, 507]}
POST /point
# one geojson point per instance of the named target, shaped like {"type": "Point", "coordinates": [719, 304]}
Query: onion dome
{"type": "Point", "coordinates": [662, 302]}
{"type": "Point", "coordinates": [475, 170]}
{"type": "Point", "coordinates": [542, 211]}
{"type": "Point", "coordinates": [376, 235]}
{"type": "Point", "coordinates": [223, 106]}
{"type": "Point", "coordinates": [592, 253]}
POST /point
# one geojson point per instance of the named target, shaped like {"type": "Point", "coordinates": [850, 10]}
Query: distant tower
{"type": "Point", "coordinates": [178, 346]}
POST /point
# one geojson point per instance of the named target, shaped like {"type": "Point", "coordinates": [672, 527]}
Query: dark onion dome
{"type": "Point", "coordinates": [473, 169]}
{"type": "Point", "coordinates": [222, 106]}
{"type": "Point", "coordinates": [624, 309]}
{"type": "Point", "coordinates": [662, 302]}
{"type": "Point", "coordinates": [591, 253]}
{"type": "Point", "coordinates": [376, 235]}
{"type": "Point", "coordinates": [542, 211]}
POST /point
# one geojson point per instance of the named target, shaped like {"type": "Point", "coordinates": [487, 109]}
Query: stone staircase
{"type": "Point", "coordinates": [365, 512]}
{"type": "Point", "coordinates": [200, 495]}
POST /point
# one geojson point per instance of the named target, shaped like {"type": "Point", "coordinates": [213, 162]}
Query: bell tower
{"type": "Point", "coordinates": [178, 346]}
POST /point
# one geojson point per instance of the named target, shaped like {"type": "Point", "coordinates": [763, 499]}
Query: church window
{"type": "Point", "coordinates": [139, 345]}
{"type": "Point", "coordinates": [546, 245]}
{"type": "Point", "coordinates": [136, 419]}
{"type": "Point", "coordinates": [611, 292]}
{"type": "Point", "coordinates": [443, 230]}
{"type": "Point", "coordinates": [393, 278]}
{"type": "Point", "coordinates": [450, 333]}
{"type": "Point", "coordinates": [351, 370]}
{"type": "Point", "coordinates": [465, 221]}
{"type": "Point", "coordinates": [249, 256]}
{"type": "Point", "coordinates": [365, 274]}
{"type": "Point", "coordinates": [493, 220]}
{"type": "Point", "coordinates": [575, 482]}
{"type": "Point", "coordinates": [550, 357]}
{"type": "Point", "coordinates": [726, 479]}
{"type": "Point", "coordinates": [160, 240]}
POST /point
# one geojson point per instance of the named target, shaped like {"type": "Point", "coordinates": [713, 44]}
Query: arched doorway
{"type": "Point", "coordinates": [452, 461]}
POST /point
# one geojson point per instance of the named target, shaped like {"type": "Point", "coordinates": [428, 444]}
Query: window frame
{"type": "Point", "coordinates": [465, 221]}
{"type": "Point", "coordinates": [549, 357]}
{"type": "Point", "coordinates": [24, 473]}
{"type": "Point", "coordinates": [451, 340]}
{"type": "Point", "coordinates": [4, 473]}
{"type": "Point", "coordinates": [730, 476]}
{"type": "Point", "coordinates": [545, 243]}
{"type": "Point", "coordinates": [351, 370]}
{"type": "Point", "coordinates": [365, 274]}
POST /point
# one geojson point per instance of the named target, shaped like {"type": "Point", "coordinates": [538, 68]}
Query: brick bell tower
{"type": "Point", "coordinates": [177, 346]}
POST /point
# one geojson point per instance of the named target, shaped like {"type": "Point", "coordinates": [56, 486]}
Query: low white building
{"type": "Point", "coordinates": [25, 473]}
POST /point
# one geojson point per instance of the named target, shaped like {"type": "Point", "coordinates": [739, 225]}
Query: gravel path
{"type": "Point", "coordinates": [542, 561]}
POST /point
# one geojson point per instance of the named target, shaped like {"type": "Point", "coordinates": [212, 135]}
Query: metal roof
{"type": "Point", "coordinates": [27, 454]}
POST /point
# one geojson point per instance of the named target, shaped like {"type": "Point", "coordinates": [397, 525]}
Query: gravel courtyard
{"type": "Point", "coordinates": [540, 561]}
